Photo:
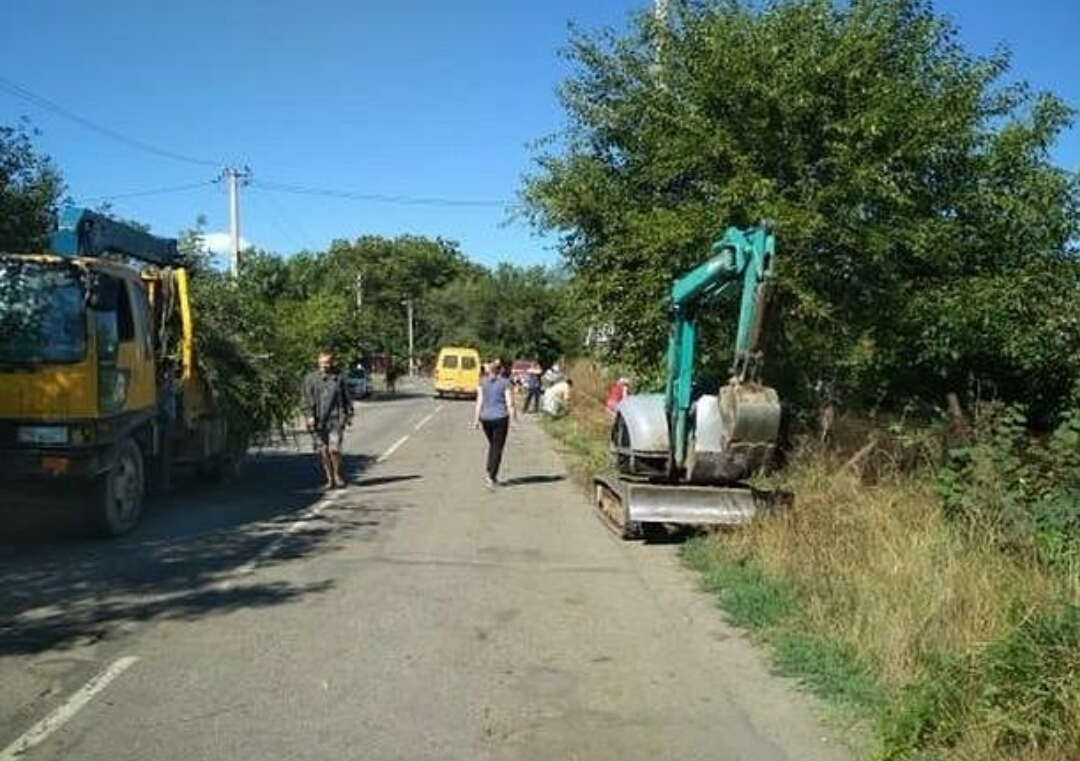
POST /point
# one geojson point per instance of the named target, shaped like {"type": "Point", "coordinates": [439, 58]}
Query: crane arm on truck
{"type": "Point", "coordinates": [82, 232]}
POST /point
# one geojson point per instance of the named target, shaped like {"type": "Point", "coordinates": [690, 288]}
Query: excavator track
{"type": "Point", "coordinates": [629, 508]}
{"type": "Point", "coordinates": [611, 505]}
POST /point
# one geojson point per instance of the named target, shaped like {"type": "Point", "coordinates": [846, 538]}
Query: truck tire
{"type": "Point", "coordinates": [120, 492]}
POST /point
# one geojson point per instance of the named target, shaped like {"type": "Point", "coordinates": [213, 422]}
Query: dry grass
{"type": "Point", "coordinates": [584, 431]}
{"type": "Point", "coordinates": [885, 575]}
{"type": "Point", "coordinates": [878, 570]}
{"type": "Point", "coordinates": [867, 567]}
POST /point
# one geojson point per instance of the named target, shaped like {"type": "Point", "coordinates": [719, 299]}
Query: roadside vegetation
{"type": "Point", "coordinates": [931, 631]}
{"type": "Point", "coordinates": [922, 332]}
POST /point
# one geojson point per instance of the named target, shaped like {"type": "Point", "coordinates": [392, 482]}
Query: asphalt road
{"type": "Point", "coordinates": [414, 615]}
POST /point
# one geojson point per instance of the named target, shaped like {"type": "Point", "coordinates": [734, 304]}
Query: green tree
{"type": "Point", "coordinates": [512, 312]}
{"type": "Point", "coordinates": [30, 191]}
{"type": "Point", "coordinates": [902, 173]}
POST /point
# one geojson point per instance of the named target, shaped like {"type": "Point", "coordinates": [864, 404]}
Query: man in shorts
{"type": "Point", "coordinates": [328, 412]}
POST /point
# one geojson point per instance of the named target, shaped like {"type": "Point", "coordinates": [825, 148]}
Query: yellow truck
{"type": "Point", "coordinates": [99, 388]}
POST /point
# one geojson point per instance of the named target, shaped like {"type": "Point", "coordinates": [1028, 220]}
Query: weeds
{"type": "Point", "coordinates": [1024, 493]}
{"type": "Point", "coordinates": [892, 597]}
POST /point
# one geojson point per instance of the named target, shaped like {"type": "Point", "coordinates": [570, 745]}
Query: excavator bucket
{"type": "Point", "coordinates": [627, 506]}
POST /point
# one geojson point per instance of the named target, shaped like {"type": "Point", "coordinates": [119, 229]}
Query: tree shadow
{"type": "Point", "coordinates": [381, 480]}
{"type": "Point", "coordinates": [537, 479]}
{"type": "Point", "coordinates": [391, 396]}
{"type": "Point", "coordinates": [181, 562]}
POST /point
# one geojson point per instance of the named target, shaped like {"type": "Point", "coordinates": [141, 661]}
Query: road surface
{"type": "Point", "coordinates": [413, 615]}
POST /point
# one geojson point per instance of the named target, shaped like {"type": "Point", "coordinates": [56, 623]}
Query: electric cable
{"type": "Point", "coordinates": [375, 197]}
{"type": "Point", "coordinates": [150, 192]}
{"type": "Point", "coordinates": [278, 220]}
{"type": "Point", "coordinates": [48, 105]}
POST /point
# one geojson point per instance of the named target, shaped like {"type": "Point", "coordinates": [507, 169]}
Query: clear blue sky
{"type": "Point", "coordinates": [411, 99]}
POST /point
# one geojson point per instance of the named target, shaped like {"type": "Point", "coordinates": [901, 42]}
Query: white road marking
{"type": "Point", "coordinates": [38, 733]}
{"type": "Point", "coordinates": [393, 448]}
{"type": "Point", "coordinates": [275, 545]}
{"type": "Point", "coordinates": [303, 522]}
{"type": "Point", "coordinates": [427, 419]}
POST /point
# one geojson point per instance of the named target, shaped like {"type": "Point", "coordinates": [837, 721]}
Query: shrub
{"type": "Point", "coordinates": [1022, 491]}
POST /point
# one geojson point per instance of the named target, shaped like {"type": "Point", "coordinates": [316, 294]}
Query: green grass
{"type": "Point", "coordinates": [925, 643]}
{"type": "Point", "coordinates": [773, 611]}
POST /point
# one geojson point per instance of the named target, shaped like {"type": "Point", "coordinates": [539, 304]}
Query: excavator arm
{"type": "Point", "coordinates": [738, 256]}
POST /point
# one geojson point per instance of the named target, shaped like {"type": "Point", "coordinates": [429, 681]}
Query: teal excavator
{"type": "Point", "coordinates": [683, 458]}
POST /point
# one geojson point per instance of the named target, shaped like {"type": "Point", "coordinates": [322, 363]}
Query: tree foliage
{"type": "Point", "coordinates": [926, 239]}
{"type": "Point", "coordinates": [352, 299]}
{"type": "Point", "coordinates": [30, 191]}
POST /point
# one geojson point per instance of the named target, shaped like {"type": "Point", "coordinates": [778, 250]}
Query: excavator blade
{"type": "Point", "coordinates": [627, 505]}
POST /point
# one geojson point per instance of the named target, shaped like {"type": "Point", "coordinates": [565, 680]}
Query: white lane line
{"type": "Point", "coordinates": [303, 522]}
{"type": "Point", "coordinates": [393, 448]}
{"type": "Point", "coordinates": [275, 545]}
{"type": "Point", "coordinates": [38, 733]}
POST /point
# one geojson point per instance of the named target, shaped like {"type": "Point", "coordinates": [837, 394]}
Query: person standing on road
{"type": "Point", "coordinates": [532, 387]}
{"type": "Point", "coordinates": [391, 376]}
{"type": "Point", "coordinates": [494, 410]}
{"type": "Point", "coordinates": [328, 412]}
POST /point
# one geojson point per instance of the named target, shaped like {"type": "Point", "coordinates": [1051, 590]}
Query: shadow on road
{"type": "Point", "coordinates": [380, 480]}
{"type": "Point", "coordinates": [69, 590]}
{"type": "Point", "coordinates": [539, 479]}
{"type": "Point", "coordinates": [388, 396]}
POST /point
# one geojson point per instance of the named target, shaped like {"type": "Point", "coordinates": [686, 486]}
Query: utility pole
{"type": "Point", "coordinates": [235, 175]}
{"type": "Point", "coordinates": [660, 16]}
{"type": "Point", "coordinates": [409, 312]}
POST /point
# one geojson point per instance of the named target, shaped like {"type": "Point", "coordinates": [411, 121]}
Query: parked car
{"type": "Point", "coordinates": [358, 383]}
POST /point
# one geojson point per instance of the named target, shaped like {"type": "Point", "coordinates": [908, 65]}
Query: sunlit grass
{"type": "Point", "coordinates": [935, 642]}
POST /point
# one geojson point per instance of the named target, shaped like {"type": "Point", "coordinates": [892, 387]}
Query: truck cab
{"type": "Point", "coordinates": [97, 383]}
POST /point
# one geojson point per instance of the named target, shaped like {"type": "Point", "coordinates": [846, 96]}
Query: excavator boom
{"type": "Point", "coordinates": [684, 458]}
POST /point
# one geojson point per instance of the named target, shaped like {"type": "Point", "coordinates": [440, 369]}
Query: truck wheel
{"type": "Point", "coordinates": [120, 492]}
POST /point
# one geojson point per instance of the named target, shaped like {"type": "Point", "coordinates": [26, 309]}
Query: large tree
{"type": "Point", "coordinates": [911, 186]}
{"type": "Point", "coordinates": [514, 312]}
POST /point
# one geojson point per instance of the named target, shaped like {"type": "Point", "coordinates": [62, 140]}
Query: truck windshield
{"type": "Point", "coordinates": [42, 313]}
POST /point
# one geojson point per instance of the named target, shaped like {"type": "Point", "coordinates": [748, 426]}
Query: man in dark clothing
{"type": "Point", "coordinates": [533, 387]}
{"type": "Point", "coordinates": [327, 412]}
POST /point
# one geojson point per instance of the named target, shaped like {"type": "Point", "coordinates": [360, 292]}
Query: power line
{"type": "Point", "coordinates": [279, 218]}
{"type": "Point", "coordinates": [48, 105]}
{"type": "Point", "coordinates": [150, 192]}
{"type": "Point", "coordinates": [375, 197]}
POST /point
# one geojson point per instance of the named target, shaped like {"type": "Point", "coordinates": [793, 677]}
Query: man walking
{"type": "Point", "coordinates": [327, 412]}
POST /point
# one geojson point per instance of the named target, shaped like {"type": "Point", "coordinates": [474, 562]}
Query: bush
{"type": "Point", "coordinates": [1021, 693]}
{"type": "Point", "coordinates": [1023, 492]}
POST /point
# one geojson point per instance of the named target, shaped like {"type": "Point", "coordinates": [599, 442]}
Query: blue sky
{"type": "Point", "coordinates": [400, 101]}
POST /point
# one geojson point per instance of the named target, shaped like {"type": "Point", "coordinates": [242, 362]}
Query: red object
{"type": "Point", "coordinates": [618, 391]}
{"type": "Point", "coordinates": [518, 370]}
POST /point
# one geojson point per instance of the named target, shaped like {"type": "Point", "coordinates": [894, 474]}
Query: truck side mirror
{"type": "Point", "coordinates": [102, 292]}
